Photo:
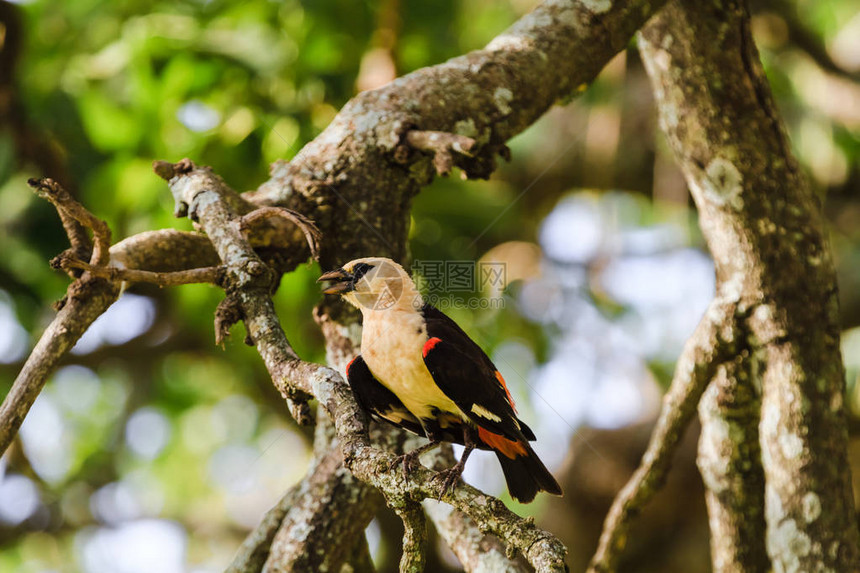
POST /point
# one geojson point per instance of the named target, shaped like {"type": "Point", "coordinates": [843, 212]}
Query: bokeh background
{"type": "Point", "coordinates": [153, 450]}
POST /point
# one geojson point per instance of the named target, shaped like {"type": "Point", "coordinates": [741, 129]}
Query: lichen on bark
{"type": "Point", "coordinates": [765, 230]}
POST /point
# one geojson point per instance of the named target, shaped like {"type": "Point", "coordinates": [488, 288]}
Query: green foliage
{"type": "Point", "coordinates": [105, 88]}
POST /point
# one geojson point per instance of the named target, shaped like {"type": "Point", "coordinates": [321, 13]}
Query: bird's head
{"type": "Point", "coordinates": [373, 284]}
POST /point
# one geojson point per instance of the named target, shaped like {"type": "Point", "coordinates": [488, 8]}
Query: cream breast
{"type": "Point", "coordinates": [392, 343]}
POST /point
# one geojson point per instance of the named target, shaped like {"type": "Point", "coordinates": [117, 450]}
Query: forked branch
{"type": "Point", "coordinates": [709, 346]}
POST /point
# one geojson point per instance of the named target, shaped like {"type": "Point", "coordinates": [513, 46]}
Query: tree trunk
{"type": "Point", "coordinates": [765, 230]}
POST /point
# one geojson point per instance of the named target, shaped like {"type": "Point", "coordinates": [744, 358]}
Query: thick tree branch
{"type": "Point", "coordinates": [707, 348]}
{"type": "Point", "coordinates": [488, 96]}
{"type": "Point", "coordinates": [765, 230]}
{"type": "Point", "coordinates": [164, 251]}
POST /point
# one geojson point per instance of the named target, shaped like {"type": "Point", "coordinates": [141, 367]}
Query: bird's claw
{"type": "Point", "coordinates": [448, 479]}
{"type": "Point", "coordinates": [407, 462]}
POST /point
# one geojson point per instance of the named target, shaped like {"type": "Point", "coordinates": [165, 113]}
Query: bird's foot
{"type": "Point", "coordinates": [448, 479]}
{"type": "Point", "coordinates": [407, 462]}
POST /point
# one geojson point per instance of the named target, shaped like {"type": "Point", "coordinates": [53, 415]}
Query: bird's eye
{"type": "Point", "coordinates": [359, 270]}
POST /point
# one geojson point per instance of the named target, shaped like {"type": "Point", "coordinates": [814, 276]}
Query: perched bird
{"type": "Point", "coordinates": [418, 370]}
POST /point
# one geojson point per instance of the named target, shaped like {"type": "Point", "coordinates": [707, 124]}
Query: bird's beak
{"type": "Point", "coordinates": [343, 282]}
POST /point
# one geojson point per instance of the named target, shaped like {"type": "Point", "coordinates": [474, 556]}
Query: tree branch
{"type": "Point", "coordinates": [213, 275]}
{"type": "Point", "coordinates": [475, 550]}
{"type": "Point", "coordinates": [709, 345]}
{"type": "Point", "coordinates": [164, 251]}
{"type": "Point", "coordinates": [488, 96]}
{"type": "Point", "coordinates": [414, 557]}
{"type": "Point", "coordinates": [254, 551]}
{"type": "Point", "coordinates": [66, 206]}
{"type": "Point", "coordinates": [442, 145]}
{"type": "Point", "coordinates": [86, 299]}
{"type": "Point", "coordinates": [307, 227]}
{"type": "Point", "coordinates": [730, 463]}
{"type": "Point", "coordinates": [249, 281]}
{"type": "Point", "coordinates": [309, 539]}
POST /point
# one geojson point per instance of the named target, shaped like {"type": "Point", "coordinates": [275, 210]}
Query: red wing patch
{"type": "Point", "coordinates": [510, 448]}
{"type": "Point", "coordinates": [348, 366]}
{"type": "Point", "coordinates": [428, 346]}
{"type": "Point", "coordinates": [508, 392]}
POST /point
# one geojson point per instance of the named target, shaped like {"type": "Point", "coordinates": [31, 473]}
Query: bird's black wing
{"type": "Point", "coordinates": [378, 400]}
{"type": "Point", "coordinates": [468, 377]}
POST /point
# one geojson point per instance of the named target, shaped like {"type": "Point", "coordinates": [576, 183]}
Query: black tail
{"type": "Point", "coordinates": [526, 476]}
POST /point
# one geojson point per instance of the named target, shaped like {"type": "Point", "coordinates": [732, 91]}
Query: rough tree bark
{"type": "Point", "coordinates": [356, 182]}
{"type": "Point", "coordinates": [765, 230]}
{"type": "Point", "coordinates": [730, 463]}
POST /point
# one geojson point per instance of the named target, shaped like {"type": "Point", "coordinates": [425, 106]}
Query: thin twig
{"type": "Point", "coordinates": [80, 242]}
{"type": "Point", "coordinates": [86, 299]}
{"type": "Point", "coordinates": [52, 191]}
{"type": "Point", "coordinates": [697, 365]}
{"type": "Point", "coordinates": [212, 275]}
{"type": "Point", "coordinates": [310, 230]}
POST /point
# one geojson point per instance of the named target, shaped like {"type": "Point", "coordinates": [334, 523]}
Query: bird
{"type": "Point", "coordinates": [420, 371]}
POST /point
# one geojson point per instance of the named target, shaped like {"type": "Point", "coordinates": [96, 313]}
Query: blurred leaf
{"type": "Point", "coordinates": [109, 125]}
